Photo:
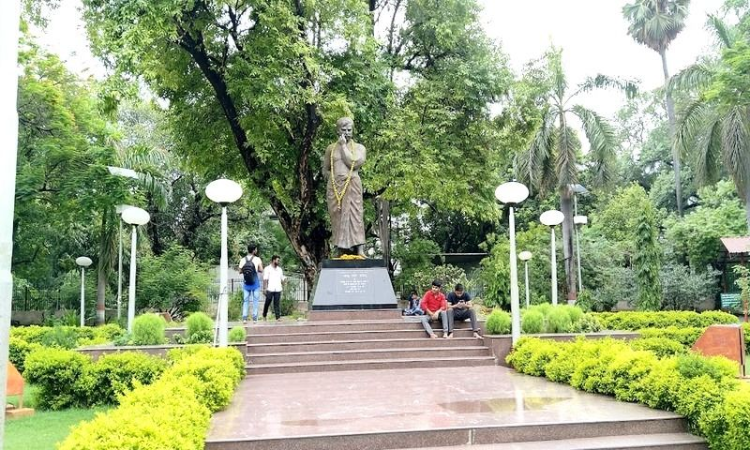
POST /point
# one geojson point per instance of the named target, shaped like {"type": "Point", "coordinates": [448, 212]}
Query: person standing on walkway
{"type": "Point", "coordinates": [434, 307]}
{"type": "Point", "coordinates": [459, 308]}
{"type": "Point", "coordinates": [273, 278]}
{"type": "Point", "coordinates": [250, 267]}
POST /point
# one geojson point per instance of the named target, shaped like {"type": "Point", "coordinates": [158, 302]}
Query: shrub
{"type": "Point", "coordinates": [575, 313]}
{"type": "Point", "coordinates": [18, 350]}
{"type": "Point", "coordinates": [114, 374]}
{"type": "Point", "coordinates": [746, 332]}
{"type": "Point", "coordinates": [532, 322]}
{"type": "Point", "coordinates": [198, 322]}
{"type": "Point", "coordinates": [586, 324]}
{"type": "Point", "coordinates": [109, 332]}
{"type": "Point", "coordinates": [558, 321]}
{"type": "Point", "coordinates": [201, 337]}
{"type": "Point", "coordinates": [238, 334]}
{"type": "Point", "coordinates": [725, 426]}
{"type": "Point", "coordinates": [171, 414]}
{"type": "Point", "coordinates": [633, 320]}
{"type": "Point", "coordinates": [716, 367]}
{"type": "Point", "coordinates": [148, 329]}
{"type": "Point", "coordinates": [60, 337]}
{"type": "Point", "coordinates": [661, 347]}
{"type": "Point", "coordinates": [498, 322]}
{"type": "Point", "coordinates": [685, 336]}
{"type": "Point", "coordinates": [56, 371]}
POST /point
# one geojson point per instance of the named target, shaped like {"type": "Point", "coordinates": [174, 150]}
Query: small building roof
{"type": "Point", "coordinates": [737, 244]}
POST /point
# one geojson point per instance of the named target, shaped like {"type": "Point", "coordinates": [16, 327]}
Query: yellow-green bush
{"type": "Point", "coordinates": [662, 347]}
{"type": "Point", "coordinates": [56, 371]}
{"type": "Point", "coordinates": [637, 320]}
{"type": "Point", "coordinates": [171, 414]}
{"type": "Point", "coordinates": [148, 329]}
{"type": "Point", "coordinates": [498, 322]}
{"type": "Point", "coordinates": [18, 350]}
{"type": "Point", "coordinates": [685, 336]}
{"type": "Point", "coordinates": [238, 334]}
{"type": "Point", "coordinates": [114, 374]}
{"type": "Point", "coordinates": [65, 336]}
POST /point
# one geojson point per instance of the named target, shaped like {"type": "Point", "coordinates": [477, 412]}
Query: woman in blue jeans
{"type": "Point", "coordinates": [251, 291]}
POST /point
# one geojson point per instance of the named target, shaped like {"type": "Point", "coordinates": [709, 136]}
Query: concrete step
{"type": "Point", "coordinates": [347, 314]}
{"type": "Point", "coordinates": [665, 441]}
{"type": "Point", "coordinates": [632, 433]}
{"type": "Point", "coordinates": [356, 355]}
{"type": "Point", "coordinates": [369, 364]}
{"type": "Point", "coordinates": [265, 328]}
{"type": "Point", "coordinates": [396, 333]}
{"type": "Point", "coordinates": [361, 344]}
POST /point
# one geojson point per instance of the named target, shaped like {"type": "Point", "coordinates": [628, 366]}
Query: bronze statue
{"type": "Point", "coordinates": [341, 163]}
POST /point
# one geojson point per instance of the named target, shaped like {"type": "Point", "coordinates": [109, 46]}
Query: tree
{"type": "Point", "coordinates": [255, 87]}
{"type": "Point", "coordinates": [647, 261]}
{"type": "Point", "coordinates": [655, 24]}
{"type": "Point", "coordinates": [551, 161]}
{"type": "Point", "coordinates": [714, 127]}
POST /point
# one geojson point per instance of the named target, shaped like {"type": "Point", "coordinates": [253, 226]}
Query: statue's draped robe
{"type": "Point", "coordinates": [347, 221]}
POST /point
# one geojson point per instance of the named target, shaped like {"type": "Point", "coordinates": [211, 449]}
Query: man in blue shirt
{"type": "Point", "coordinates": [251, 290]}
{"type": "Point", "coordinates": [459, 308]}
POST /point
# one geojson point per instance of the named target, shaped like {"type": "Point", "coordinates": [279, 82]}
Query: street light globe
{"type": "Point", "coordinates": [552, 217]}
{"type": "Point", "coordinates": [580, 220]}
{"type": "Point", "coordinates": [371, 251]}
{"type": "Point", "coordinates": [223, 191]}
{"type": "Point", "coordinates": [135, 216]}
{"type": "Point", "coordinates": [83, 261]}
{"type": "Point", "coordinates": [511, 193]}
{"type": "Point", "coordinates": [525, 255]}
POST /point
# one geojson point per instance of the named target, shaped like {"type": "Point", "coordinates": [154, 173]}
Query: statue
{"type": "Point", "coordinates": [341, 163]}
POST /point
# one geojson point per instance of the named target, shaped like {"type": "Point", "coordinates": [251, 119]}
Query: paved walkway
{"type": "Point", "coordinates": [309, 404]}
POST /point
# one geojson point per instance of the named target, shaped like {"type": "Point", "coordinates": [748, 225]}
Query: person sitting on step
{"type": "Point", "coordinates": [413, 309]}
{"type": "Point", "coordinates": [459, 308]}
{"type": "Point", "coordinates": [434, 307]}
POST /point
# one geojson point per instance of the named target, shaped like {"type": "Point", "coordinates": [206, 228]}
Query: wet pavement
{"type": "Point", "coordinates": [310, 404]}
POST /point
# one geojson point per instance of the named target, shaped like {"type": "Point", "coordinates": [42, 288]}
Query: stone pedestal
{"type": "Point", "coordinates": [354, 285]}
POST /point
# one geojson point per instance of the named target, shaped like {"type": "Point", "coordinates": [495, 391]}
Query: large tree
{"type": "Point", "coordinates": [552, 160]}
{"type": "Point", "coordinates": [254, 88]}
{"type": "Point", "coordinates": [655, 24]}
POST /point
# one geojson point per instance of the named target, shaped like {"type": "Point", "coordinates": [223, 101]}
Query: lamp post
{"type": "Point", "coordinates": [579, 220]}
{"type": "Point", "coordinates": [119, 209]}
{"type": "Point", "coordinates": [223, 192]}
{"type": "Point", "coordinates": [511, 194]}
{"type": "Point", "coordinates": [134, 217]}
{"type": "Point", "coordinates": [552, 218]}
{"type": "Point", "coordinates": [525, 256]}
{"type": "Point", "coordinates": [83, 262]}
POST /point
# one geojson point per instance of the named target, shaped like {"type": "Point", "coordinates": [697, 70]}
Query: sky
{"type": "Point", "coordinates": [592, 33]}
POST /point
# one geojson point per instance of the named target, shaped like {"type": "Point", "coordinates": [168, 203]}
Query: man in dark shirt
{"type": "Point", "coordinates": [434, 307]}
{"type": "Point", "coordinates": [459, 308]}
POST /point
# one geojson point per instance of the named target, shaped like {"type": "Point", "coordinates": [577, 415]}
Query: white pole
{"type": "Point", "coordinates": [553, 261]}
{"type": "Point", "coordinates": [119, 271]}
{"type": "Point", "coordinates": [514, 306]}
{"type": "Point", "coordinates": [578, 254]}
{"type": "Point", "coordinates": [131, 286]}
{"type": "Point", "coordinates": [9, 25]}
{"type": "Point", "coordinates": [526, 267]}
{"type": "Point", "coordinates": [223, 276]}
{"type": "Point", "coordinates": [83, 297]}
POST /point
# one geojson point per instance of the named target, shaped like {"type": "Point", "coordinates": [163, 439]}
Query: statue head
{"type": "Point", "coordinates": [345, 127]}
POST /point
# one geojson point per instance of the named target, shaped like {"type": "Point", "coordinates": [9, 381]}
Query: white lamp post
{"type": "Point", "coordinates": [579, 220]}
{"type": "Point", "coordinates": [525, 256]}
{"type": "Point", "coordinates": [223, 192]}
{"type": "Point", "coordinates": [512, 194]}
{"type": "Point", "coordinates": [83, 262]}
{"type": "Point", "coordinates": [133, 216]}
{"type": "Point", "coordinates": [120, 209]}
{"type": "Point", "coordinates": [552, 218]}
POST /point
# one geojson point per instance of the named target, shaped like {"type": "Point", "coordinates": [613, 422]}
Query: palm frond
{"type": "Point", "coordinates": [565, 165]}
{"type": "Point", "coordinates": [725, 34]}
{"type": "Point", "coordinates": [656, 23]}
{"type": "Point", "coordinates": [602, 138]}
{"type": "Point", "coordinates": [534, 164]}
{"type": "Point", "coordinates": [690, 78]}
{"type": "Point", "coordinates": [735, 138]}
{"type": "Point", "coordinates": [690, 122]}
{"type": "Point", "coordinates": [629, 87]}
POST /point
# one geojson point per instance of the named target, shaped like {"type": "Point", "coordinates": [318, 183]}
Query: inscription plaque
{"type": "Point", "coordinates": [354, 287]}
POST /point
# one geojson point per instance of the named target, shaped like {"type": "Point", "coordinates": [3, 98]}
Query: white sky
{"type": "Point", "coordinates": [591, 32]}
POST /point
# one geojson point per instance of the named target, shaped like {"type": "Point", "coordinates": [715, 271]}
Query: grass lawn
{"type": "Point", "coordinates": [45, 428]}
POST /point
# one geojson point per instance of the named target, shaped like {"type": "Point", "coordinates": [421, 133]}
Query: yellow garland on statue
{"type": "Point", "coordinates": [340, 195]}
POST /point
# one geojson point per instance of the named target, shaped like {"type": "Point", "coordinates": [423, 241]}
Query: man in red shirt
{"type": "Point", "coordinates": [434, 307]}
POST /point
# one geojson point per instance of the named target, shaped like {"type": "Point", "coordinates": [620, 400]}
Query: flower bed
{"type": "Point", "coordinates": [704, 390]}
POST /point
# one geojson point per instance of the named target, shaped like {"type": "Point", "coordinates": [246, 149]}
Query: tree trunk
{"type": "Point", "coordinates": [384, 231]}
{"type": "Point", "coordinates": [747, 205]}
{"type": "Point", "coordinates": [101, 272]}
{"type": "Point", "coordinates": [672, 127]}
{"type": "Point", "coordinates": [566, 206]}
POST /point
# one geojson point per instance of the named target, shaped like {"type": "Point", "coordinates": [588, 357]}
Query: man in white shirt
{"type": "Point", "coordinates": [273, 278]}
{"type": "Point", "coordinates": [251, 267]}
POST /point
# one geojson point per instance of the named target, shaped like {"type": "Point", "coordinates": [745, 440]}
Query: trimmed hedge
{"type": "Point", "coordinates": [148, 329]}
{"type": "Point", "coordinates": [545, 318]}
{"type": "Point", "coordinates": [704, 390]}
{"type": "Point", "coordinates": [636, 320]}
{"type": "Point", "coordinates": [498, 322]}
{"type": "Point", "coordinates": [67, 337]}
{"type": "Point", "coordinates": [237, 334]}
{"type": "Point", "coordinates": [685, 336]}
{"type": "Point", "coordinates": [171, 414]}
{"type": "Point", "coordinates": [18, 350]}
{"type": "Point", "coordinates": [200, 328]}
{"type": "Point", "coordinates": [67, 378]}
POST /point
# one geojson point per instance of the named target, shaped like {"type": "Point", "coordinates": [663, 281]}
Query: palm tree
{"type": "Point", "coordinates": [551, 161]}
{"type": "Point", "coordinates": [655, 24]}
{"type": "Point", "coordinates": [715, 131]}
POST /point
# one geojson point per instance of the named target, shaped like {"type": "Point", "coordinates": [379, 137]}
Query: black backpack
{"type": "Point", "coordinates": [249, 272]}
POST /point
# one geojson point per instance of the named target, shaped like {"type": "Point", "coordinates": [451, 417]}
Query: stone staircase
{"type": "Point", "coordinates": [324, 346]}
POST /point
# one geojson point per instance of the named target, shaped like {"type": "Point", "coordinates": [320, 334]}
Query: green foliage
{"type": "Point", "coordinates": [414, 257]}
{"type": "Point", "coordinates": [199, 326]}
{"type": "Point", "coordinates": [661, 347]}
{"type": "Point", "coordinates": [148, 329]}
{"type": "Point", "coordinates": [173, 279]}
{"type": "Point", "coordinates": [18, 349]}
{"type": "Point", "coordinates": [558, 321]}
{"type": "Point", "coordinates": [717, 367]}
{"type": "Point", "coordinates": [632, 320]}
{"type": "Point", "coordinates": [56, 372]}
{"type": "Point", "coordinates": [237, 334]}
{"type": "Point", "coordinates": [686, 289]}
{"type": "Point", "coordinates": [450, 276]}
{"type": "Point", "coordinates": [498, 322]}
{"type": "Point", "coordinates": [726, 425]}
{"type": "Point", "coordinates": [684, 335]}
{"type": "Point", "coordinates": [647, 260]}
{"type": "Point", "coordinates": [532, 322]}
{"type": "Point", "coordinates": [115, 374]}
